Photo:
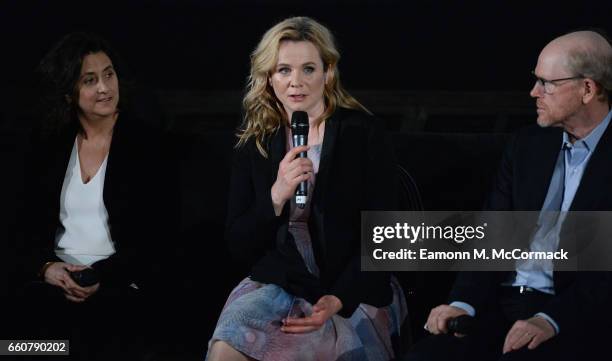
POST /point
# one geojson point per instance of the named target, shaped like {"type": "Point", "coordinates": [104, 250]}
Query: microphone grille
{"type": "Point", "coordinates": [299, 123]}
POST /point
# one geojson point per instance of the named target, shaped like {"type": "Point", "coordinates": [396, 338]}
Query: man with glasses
{"type": "Point", "coordinates": [565, 164]}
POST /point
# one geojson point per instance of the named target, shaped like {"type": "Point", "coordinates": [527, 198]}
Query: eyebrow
{"type": "Point", "coordinates": [533, 72]}
{"type": "Point", "coordinates": [110, 66]}
{"type": "Point", "coordinates": [307, 63]}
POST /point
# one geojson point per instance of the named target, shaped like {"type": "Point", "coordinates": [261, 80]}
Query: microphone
{"type": "Point", "coordinates": [299, 129]}
{"type": "Point", "coordinates": [460, 324]}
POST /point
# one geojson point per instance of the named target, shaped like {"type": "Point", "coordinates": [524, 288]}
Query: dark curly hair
{"type": "Point", "coordinates": [59, 72]}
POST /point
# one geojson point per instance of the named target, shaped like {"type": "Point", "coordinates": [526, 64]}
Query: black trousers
{"type": "Point", "coordinates": [486, 338]}
{"type": "Point", "coordinates": [108, 325]}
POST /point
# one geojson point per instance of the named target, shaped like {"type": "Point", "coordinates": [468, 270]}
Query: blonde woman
{"type": "Point", "coordinates": [306, 297]}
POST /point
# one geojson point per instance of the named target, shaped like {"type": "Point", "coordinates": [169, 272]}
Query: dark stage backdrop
{"type": "Point", "coordinates": [408, 61]}
{"type": "Point", "coordinates": [191, 44]}
{"type": "Point", "coordinates": [429, 69]}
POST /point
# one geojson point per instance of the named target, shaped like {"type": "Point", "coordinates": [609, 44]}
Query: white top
{"type": "Point", "coordinates": [85, 236]}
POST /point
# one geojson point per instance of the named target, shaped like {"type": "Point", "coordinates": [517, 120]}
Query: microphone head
{"type": "Point", "coordinates": [461, 324]}
{"type": "Point", "coordinates": [299, 123]}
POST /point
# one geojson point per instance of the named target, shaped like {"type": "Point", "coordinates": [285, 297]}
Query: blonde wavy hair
{"type": "Point", "coordinates": [264, 113]}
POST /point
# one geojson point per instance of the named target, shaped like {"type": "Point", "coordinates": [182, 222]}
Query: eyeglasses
{"type": "Point", "coordinates": [550, 85]}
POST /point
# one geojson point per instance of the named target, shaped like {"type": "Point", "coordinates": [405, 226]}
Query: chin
{"type": "Point", "coordinates": [105, 114]}
{"type": "Point", "coordinates": [108, 109]}
{"type": "Point", "coordinates": [543, 123]}
{"type": "Point", "coordinates": [548, 123]}
{"type": "Point", "coordinates": [297, 107]}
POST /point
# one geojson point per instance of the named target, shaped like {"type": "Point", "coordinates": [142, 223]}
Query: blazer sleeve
{"type": "Point", "coordinates": [252, 225]}
{"type": "Point", "coordinates": [500, 196]}
{"type": "Point", "coordinates": [36, 242]}
{"type": "Point", "coordinates": [582, 301]}
{"type": "Point", "coordinates": [381, 193]}
{"type": "Point", "coordinates": [117, 269]}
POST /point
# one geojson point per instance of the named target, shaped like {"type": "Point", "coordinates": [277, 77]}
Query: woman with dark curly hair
{"type": "Point", "coordinates": [93, 219]}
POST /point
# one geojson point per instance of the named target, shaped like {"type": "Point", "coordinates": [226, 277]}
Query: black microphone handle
{"type": "Point", "coordinates": [460, 324]}
{"type": "Point", "coordinates": [301, 192]}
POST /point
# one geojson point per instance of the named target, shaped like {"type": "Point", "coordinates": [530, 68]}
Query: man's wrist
{"type": "Point", "coordinates": [550, 321]}
{"type": "Point", "coordinates": [464, 306]}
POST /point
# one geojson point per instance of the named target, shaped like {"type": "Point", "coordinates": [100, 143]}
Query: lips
{"type": "Point", "coordinates": [104, 100]}
{"type": "Point", "coordinates": [297, 97]}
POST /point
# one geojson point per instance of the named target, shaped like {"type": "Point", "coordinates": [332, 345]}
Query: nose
{"type": "Point", "coordinates": [536, 91]}
{"type": "Point", "coordinates": [296, 79]}
{"type": "Point", "coordinates": [102, 87]}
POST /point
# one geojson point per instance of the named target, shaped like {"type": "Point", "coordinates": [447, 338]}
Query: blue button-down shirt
{"type": "Point", "coordinates": [571, 163]}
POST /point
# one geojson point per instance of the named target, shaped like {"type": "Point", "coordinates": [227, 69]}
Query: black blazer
{"type": "Point", "coordinates": [357, 172]}
{"type": "Point", "coordinates": [135, 195]}
{"type": "Point", "coordinates": [522, 184]}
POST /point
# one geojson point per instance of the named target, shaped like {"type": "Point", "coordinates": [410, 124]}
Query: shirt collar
{"type": "Point", "coordinates": [591, 140]}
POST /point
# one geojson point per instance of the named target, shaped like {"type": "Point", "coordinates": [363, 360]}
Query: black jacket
{"type": "Point", "coordinates": [521, 185]}
{"type": "Point", "coordinates": [357, 172]}
{"type": "Point", "coordinates": [136, 195]}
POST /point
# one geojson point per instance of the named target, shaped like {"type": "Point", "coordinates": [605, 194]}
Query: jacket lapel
{"type": "Point", "coordinates": [541, 168]}
{"type": "Point", "coordinates": [113, 164]}
{"type": "Point", "coordinates": [61, 157]}
{"type": "Point", "coordinates": [317, 226]}
{"type": "Point", "coordinates": [594, 177]}
{"type": "Point", "coordinates": [277, 148]}
{"type": "Point", "coordinates": [332, 128]}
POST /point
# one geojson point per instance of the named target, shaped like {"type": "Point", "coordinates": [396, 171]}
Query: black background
{"type": "Point", "coordinates": [185, 48]}
{"type": "Point", "coordinates": [428, 45]}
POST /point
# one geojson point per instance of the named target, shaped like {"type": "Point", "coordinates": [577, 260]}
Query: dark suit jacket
{"type": "Point", "coordinates": [522, 184]}
{"type": "Point", "coordinates": [135, 195]}
{"type": "Point", "coordinates": [357, 172]}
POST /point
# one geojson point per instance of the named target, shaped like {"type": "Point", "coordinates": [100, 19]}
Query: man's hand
{"type": "Point", "coordinates": [439, 317]}
{"type": "Point", "coordinates": [533, 332]}
{"type": "Point", "coordinates": [323, 310]}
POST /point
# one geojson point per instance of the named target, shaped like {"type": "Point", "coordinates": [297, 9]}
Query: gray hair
{"type": "Point", "coordinates": [593, 62]}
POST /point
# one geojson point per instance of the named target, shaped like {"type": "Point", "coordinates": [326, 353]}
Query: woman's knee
{"type": "Point", "coordinates": [221, 350]}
